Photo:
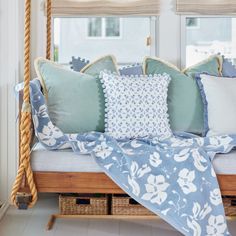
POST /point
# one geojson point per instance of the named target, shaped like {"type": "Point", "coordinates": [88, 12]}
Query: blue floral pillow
{"type": "Point", "coordinates": [48, 134]}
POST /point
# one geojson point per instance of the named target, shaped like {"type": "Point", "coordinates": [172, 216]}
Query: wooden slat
{"type": "Point", "coordinates": [65, 182]}
{"type": "Point", "coordinates": [53, 218]}
{"type": "Point", "coordinates": [227, 184]}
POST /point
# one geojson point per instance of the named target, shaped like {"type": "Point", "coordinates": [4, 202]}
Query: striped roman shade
{"type": "Point", "coordinates": [105, 7]}
{"type": "Point", "coordinates": [209, 7]}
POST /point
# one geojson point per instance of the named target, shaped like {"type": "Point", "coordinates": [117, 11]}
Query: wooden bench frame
{"type": "Point", "coordinates": [83, 182]}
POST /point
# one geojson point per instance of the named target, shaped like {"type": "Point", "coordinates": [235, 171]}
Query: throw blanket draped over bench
{"type": "Point", "coordinates": [171, 176]}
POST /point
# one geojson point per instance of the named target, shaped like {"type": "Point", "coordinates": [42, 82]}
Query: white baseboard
{"type": "Point", "coordinates": [3, 209]}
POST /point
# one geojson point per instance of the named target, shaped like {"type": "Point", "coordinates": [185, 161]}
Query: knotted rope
{"type": "Point", "coordinates": [24, 170]}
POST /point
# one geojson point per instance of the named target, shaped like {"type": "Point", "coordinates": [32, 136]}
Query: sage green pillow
{"type": "Point", "coordinates": [104, 63]}
{"type": "Point", "coordinates": [185, 105]}
{"type": "Point", "coordinates": [75, 100]}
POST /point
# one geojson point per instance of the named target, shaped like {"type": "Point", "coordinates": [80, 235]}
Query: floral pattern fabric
{"type": "Point", "coordinates": [171, 176]}
{"type": "Point", "coordinates": [48, 134]}
{"type": "Point", "coordinates": [136, 106]}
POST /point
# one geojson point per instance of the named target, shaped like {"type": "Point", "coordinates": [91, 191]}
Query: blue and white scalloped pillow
{"type": "Point", "coordinates": [228, 69]}
{"type": "Point", "coordinates": [135, 69]}
{"type": "Point", "coordinates": [136, 106]}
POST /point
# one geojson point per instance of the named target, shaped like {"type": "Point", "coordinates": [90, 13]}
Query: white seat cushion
{"type": "Point", "coordinates": [67, 161]}
{"type": "Point", "coordinates": [225, 163]}
{"type": "Point", "coordinates": [62, 161]}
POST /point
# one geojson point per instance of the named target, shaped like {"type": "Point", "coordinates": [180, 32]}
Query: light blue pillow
{"type": "Point", "coordinates": [77, 64]}
{"type": "Point", "coordinates": [135, 70]}
{"type": "Point", "coordinates": [228, 69]}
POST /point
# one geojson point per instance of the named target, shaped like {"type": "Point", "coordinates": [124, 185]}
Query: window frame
{"type": "Point", "coordinates": [183, 33]}
{"type": "Point", "coordinates": [154, 32]}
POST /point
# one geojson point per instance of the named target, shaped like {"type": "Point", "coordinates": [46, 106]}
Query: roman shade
{"type": "Point", "coordinates": [105, 7]}
{"type": "Point", "coordinates": [208, 7]}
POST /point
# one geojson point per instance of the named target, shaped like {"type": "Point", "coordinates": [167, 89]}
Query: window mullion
{"type": "Point", "coordinates": [103, 27]}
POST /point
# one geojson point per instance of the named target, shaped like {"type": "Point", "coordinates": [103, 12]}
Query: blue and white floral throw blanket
{"type": "Point", "coordinates": [171, 176]}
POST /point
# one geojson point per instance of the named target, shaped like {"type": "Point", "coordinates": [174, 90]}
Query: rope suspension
{"type": "Point", "coordinates": [49, 22]}
{"type": "Point", "coordinates": [24, 170]}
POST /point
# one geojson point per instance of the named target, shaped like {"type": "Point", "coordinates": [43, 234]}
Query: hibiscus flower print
{"type": "Point", "coordinates": [183, 155]}
{"type": "Point", "coordinates": [216, 226]}
{"type": "Point", "coordinates": [155, 160]}
{"type": "Point", "coordinates": [199, 161]}
{"type": "Point", "coordinates": [177, 142]}
{"type": "Point", "coordinates": [218, 141]}
{"type": "Point", "coordinates": [185, 181]}
{"type": "Point", "coordinates": [103, 150]}
{"type": "Point", "coordinates": [38, 115]}
{"type": "Point", "coordinates": [215, 197]}
{"type": "Point", "coordinates": [156, 188]}
{"type": "Point", "coordinates": [49, 134]}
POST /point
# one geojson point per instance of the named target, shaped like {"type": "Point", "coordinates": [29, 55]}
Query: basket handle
{"type": "Point", "coordinates": [82, 201]}
{"type": "Point", "coordinates": [133, 202]}
{"type": "Point", "coordinates": [233, 202]}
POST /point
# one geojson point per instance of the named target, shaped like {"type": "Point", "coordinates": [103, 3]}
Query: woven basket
{"type": "Point", "coordinates": [125, 205]}
{"type": "Point", "coordinates": [230, 206]}
{"type": "Point", "coordinates": [83, 205]}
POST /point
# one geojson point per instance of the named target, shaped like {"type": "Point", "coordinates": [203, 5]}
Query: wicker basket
{"type": "Point", "coordinates": [83, 205]}
{"type": "Point", "coordinates": [125, 205]}
{"type": "Point", "coordinates": [230, 206]}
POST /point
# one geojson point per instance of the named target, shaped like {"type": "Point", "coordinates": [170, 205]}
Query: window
{"type": "Point", "coordinates": [192, 23]}
{"type": "Point", "coordinates": [104, 27]}
{"type": "Point", "coordinates": [211, 35]}
{"type": "Point", "coordinates": [95, 27]}
{"type": "Point", "coordinates": [92, 37]}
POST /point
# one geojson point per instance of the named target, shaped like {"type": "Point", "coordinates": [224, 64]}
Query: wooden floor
{"type": "Point", "coordinates": [32, 223]}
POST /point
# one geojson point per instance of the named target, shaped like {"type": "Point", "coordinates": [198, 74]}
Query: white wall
{"type": "Point", "coordinates": [169, 33]}
{"type": "Point", "coordinates": [9, 75]}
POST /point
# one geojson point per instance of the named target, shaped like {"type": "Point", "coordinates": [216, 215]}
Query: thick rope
{"type": "Point", "coordinates": [49, 31]}
{"type": "Point", "coordinates": [25, 170]}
